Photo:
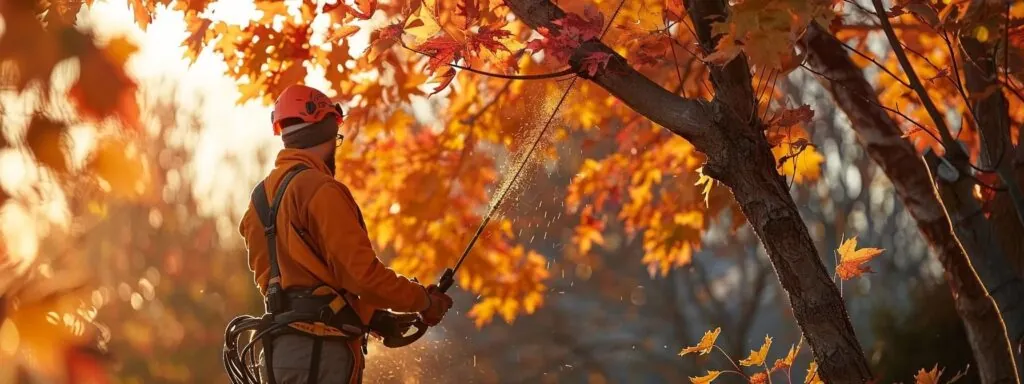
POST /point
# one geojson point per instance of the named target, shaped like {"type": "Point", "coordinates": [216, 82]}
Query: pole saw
{"type": "Point", "coordinates": [448, 277]}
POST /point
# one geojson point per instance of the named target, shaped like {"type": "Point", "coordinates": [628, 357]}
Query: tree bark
{"type": "Point", "coordinates": [991, 112]}
{"type": "Point", "coordinates": [739, 156]}
{"type": "Point", "coordinates": [882, 139]}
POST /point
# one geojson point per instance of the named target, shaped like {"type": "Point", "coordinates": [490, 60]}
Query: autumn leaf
{"type": "Point", "coordinates": [46, 138]}
{"type": "Point", "coordinates": [790, 117]}
{"type": "Point", "coordinates": [575, 29]}
{"type": "Point", "coordinates": [706, 379]}
{"type": "Point", "coordinates": [758, 378]}
{"type": "Point", "coordinates": [812, 374]}
{"type": "Point", "coordinates": [383, 39]}
{"type": "Point", "coordinates": [704, 346]}
{"type": "Point", "coordinates": [488, 37]}
{"type": "Point", "coordinates": [594, 61]}
{"type": "Point", "coordinates": [103, 88]}
{"type": "Point", "coordinates": [707, 182]}
{"type": "Point", "coordinates": [851, 259]}
{"type": "Point", "coordinates": [445, 79]}
{"type": "Point", "coordinates": [787, 362]}
{"type": "Point", "coordinates": [342, 32]}
{"type": "Point", "coordinates": [442, 50]}
{"type": "Point", "coordinates": [928, 377]}
{"type": "Point", "coordinates": [757, 357]}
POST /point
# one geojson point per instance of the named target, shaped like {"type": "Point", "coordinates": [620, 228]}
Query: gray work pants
{"type": "Point", "coordinates": [292, 354]}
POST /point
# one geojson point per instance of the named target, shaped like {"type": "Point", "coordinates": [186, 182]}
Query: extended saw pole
{"type": "Point", "coordinates": [448, 277]}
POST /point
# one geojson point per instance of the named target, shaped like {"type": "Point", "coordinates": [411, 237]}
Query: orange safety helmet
{"type": "Point", "coordinates": [302, 104]}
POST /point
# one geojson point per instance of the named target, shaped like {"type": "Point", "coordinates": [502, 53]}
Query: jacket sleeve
{"type": "Point", "coordinates": [334, 221]}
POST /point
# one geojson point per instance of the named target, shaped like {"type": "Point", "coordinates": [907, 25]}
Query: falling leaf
{"type": "Point", "coordinates": [708, 182]}
{"type": "Point", "coordinates": [928, 377]}
{"type": "Point", "coordinates": [46, 139]}
{"type": "Point", "coordinates": [851, 259]}
{"type": "Point", "coordinates": [706, 379]}
{"type": "Point", "coordinates": [757, 357]}
{"type": "Point", "coordinates": [706, 343]}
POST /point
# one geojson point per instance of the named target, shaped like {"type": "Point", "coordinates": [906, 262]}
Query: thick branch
{"type": "Point", "coordinates": [683, 116]}
{"type": "Point", "coordinates": [881, 137]}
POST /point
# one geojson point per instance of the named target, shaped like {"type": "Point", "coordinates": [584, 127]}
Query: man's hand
{"type": "Point", "coordinates": [389, 324]}
{"type": "Point", "coordinates": [439, 305]}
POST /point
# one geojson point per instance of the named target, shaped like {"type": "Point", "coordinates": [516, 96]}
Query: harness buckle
{"type": "Point", "coordinates": [274, 301]}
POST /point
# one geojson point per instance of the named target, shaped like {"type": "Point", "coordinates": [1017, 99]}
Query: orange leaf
{"type": "Point", "coordinates": [812, 374]}
{"type": "Point", "coordinates": [446, 79]}
{"type": "Point", "coordinates": [787, 362]}
{"type": "Point", "coordinates": [758, 378]}
{"type": "Point", "coordinates": [704, 346]}
{"type": "Point", "coordinates": [928, 377]}
{"type": "Point", "coordinates": [103, 88]}
{"type": "Point", "coordinates": [757, 357]}
{"type": "Point", "coordinates": [343, 32]}
{"type": "Point", "coordinates": [851, 259]}
{"type": "Point", "coordinates": [706, 379]}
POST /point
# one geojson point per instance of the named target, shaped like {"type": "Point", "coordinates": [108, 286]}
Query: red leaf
{"type": "Point", "coordinates": [442, 49]}
{"type": "Point", "coordinates": [575, 30]}
{"type": "Point", "coordinates": [103, 88]}
{"type": "Point", "coordinates": [446, 79]}
{"type": "Point", "coordinates": [487, 37]}
{"type": "Point", "coordinates": [791, 117]}
{"type": "Point", "coordinates": [594, 61]}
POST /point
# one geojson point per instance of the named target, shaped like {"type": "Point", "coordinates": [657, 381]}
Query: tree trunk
{"type": "Point", "coordinates": [882, 139]}
{"type": "Point", "coordinates": [740, 157]}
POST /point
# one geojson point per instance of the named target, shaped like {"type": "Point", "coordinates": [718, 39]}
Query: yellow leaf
{"type": "Point", "coordinates": [706, 343]}
{"type": "Point", "coordinates": [928, 377]}
{"type": "Point", "coordinates": [787, 362]}
{"type": "Point", "coordinates": [706, 379]}
{"type": "Point", "coordinates": [851, 259]}
{"type": "Point", "coordinates": [757, 357]}
{"type": "Point", "coordinates": [707, 181]}
{"type": "Point", "coordinates": [812, 374]}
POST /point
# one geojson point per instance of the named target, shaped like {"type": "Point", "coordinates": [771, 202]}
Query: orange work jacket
{"type": "Point", "coordinates": [322, 239]}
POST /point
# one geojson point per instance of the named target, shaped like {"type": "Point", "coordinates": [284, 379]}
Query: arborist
{"type": "Point", "coordinates": [324, 287]}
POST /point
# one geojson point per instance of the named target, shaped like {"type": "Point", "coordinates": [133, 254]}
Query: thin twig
{"type": "Point", "coordinates": [875, 103]}
{"type": "Point", "coordinates": [871, 59]}
{"type": "Point", "coordinates": [915, 82]}
{"type": "Point", "coordinates": [567, 71]}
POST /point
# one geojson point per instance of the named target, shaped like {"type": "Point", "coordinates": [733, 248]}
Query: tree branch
{"type": "Point", "coordinates": [685, 117]}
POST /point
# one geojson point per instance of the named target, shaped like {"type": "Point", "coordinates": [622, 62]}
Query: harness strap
{"type": "Point", "coordinates": [314, 361]}
{"type": "Point", "coordinates": [268, 217]}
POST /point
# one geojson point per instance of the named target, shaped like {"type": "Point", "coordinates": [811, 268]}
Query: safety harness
{"type": "Point", "coordinates": [321, 312]}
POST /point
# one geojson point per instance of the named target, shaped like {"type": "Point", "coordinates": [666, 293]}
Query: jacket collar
{"type": "Point", "coordinates": [290, 157]}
